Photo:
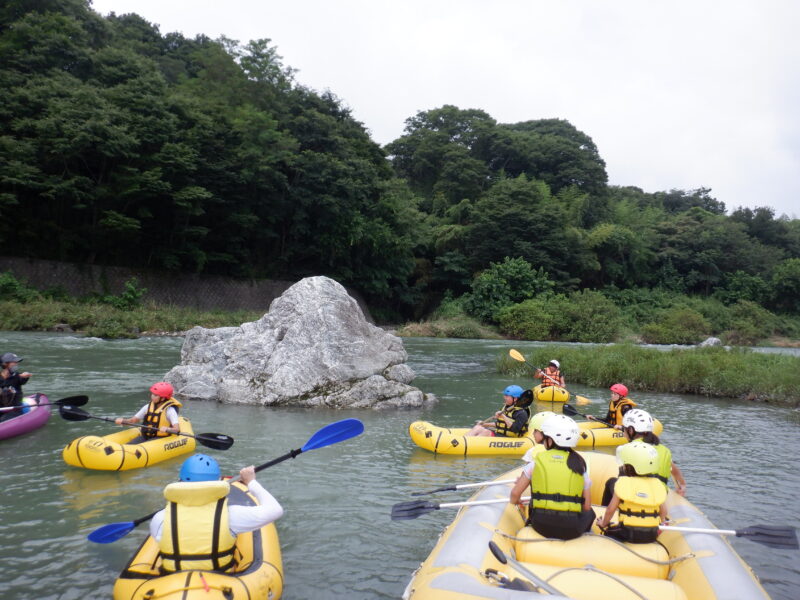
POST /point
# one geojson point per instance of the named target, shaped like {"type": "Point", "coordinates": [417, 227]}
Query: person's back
{"type": "Point", "coordinates": [560, 502]}
{"type": "Point", "coordinates": [638, 496]}
{"type": "Point", "coordinates": [196, 533]}
{"type": "Point", "coordinates": [198, 527]}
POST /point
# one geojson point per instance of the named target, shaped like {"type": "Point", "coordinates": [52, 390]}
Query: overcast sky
{"type": "Point", "coordinates": [676, 94]}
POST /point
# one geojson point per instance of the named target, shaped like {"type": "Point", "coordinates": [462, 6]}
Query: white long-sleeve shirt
{"type": "Point", "coordinates": [241, 519]}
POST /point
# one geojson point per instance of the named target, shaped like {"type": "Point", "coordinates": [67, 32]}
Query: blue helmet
{"type": "Point", "coordinates": [513, 390]}
{"type": "Point", "coordinates": [199, 468]}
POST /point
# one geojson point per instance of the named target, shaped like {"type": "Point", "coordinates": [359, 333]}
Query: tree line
{"type": "Point", "coordinates": [121, 145]}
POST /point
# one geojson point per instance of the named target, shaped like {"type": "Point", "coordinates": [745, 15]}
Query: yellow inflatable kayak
{"type": "Point", "coordinates": [679, 566]}
{"type": "Point", "coordinates": [550, 393]}
{"type": "Point", "coordinates": [444, 440]}
{"type": "Point", "coordinates": [114, 453]}
{"type": "Point", "coordinates": [258, 572]}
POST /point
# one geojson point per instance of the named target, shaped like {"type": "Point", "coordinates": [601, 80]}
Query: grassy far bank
{"type": "Point", "coordinates": [123, 315]}
{"type": "Point", "coordinates": [102, 320]}
{"type": "Point", "coordinates": [713, 371]}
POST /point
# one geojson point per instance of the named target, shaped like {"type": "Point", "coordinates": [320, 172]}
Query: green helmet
{"type": "Point", "coordinates": [641, 456]}
{"type": "Point", "coordinates": [539, 418]}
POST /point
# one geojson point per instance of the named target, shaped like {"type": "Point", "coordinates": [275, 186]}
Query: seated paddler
{"type": "Point", "coordinates": [198, 527]}
{"type": "Point", "coordinates": [159, 417]}
{"type": "Point", "coordinates": [512, 419]}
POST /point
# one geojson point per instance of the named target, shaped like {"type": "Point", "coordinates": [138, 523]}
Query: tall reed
{"type": "Point", "coordinates": [714, 371]}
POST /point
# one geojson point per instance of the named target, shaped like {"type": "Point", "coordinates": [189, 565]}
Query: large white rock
{"type": "Point", "coordinates": [313, 348]}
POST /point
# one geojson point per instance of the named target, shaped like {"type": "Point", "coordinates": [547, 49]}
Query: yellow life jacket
{"type": "Point", "coordinates": [664, 463]}
{"type": "Point", "coordinates": [639, 501]}
{"type": "Point", "coordinates": [551, 377]}
{"type": "Point", "coordinates": [156, 416]}
{"type": "Point", "coordinates": [503, 430]}
{"type": "Point", "coordinates": [614, 415]}
{"type": "Point", "coordinates": [554, 486]}
{"type": "Point", "coordinates": [196, 534]}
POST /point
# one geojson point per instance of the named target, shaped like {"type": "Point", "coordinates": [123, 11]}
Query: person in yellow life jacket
{"type": "Point", "coordinates": [551, 375]}
{"type": "Point", "coordinates": [198, 527]}
{"type": "Point", "coordinates": [637, 424]}
{"type": "Point", "coordinates": [512, 419]}
{"type": "Point", "coordinates": [617, 406]}
{"type": "Point", "coordinates": [160, 413]}
{"type": "Point", "coordinates": [561, 504]}
{"type": "Point", "coordinates": [638, 496]}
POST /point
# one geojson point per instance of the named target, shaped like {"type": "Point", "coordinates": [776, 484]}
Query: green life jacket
{"type": "Point", "coordinates": [664, 463]}
{"type": "Point", "coordinates": [554, 486]}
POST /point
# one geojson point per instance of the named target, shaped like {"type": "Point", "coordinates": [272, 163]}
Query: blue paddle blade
{"type": "Point", "coordinates": [111, 533]}
{"type": "Point", "coordinates": [334, 433]}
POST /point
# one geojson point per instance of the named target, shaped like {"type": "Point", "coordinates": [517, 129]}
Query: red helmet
{"type": "Point", "coordinates": [617, 388]}
{"type": "Point", "coordinates": [163, 389]}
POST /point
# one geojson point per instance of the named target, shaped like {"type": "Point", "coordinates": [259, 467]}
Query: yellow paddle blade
{"type": "Point", "coordinates": [582, 400]}
{"type": "Point", "coordinates": [516, 355]}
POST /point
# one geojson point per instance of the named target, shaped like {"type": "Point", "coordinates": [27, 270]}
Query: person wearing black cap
{"type": "Point", "coordinates": [11, 383]}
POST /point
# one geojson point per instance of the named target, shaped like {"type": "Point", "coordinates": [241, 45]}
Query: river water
{"type": "Point", "coordinates": [739, 460]}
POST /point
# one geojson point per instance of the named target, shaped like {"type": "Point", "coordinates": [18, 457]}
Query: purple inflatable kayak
{"type": "Point", "coordinates": [34, 417]}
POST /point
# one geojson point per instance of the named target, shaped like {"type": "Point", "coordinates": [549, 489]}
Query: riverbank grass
{"type": "Point", "coordinates": [713, 371]}
{"type": "Point", "coordinates": [106, 321]}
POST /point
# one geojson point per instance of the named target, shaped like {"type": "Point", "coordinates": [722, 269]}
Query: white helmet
{"type": "Point", "coordinates": [562, 430]}
{"type": "Point", "coordinates": [556, 363]}
{"type": "Point", "coordinates": [539, 418]}
{"type": "Point", "coordinates": [641, 456]}
{"type": "Point", "coordinates": [639, 419]}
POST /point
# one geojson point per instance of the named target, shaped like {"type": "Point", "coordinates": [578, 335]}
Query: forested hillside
{"type": "Point", "coordinates": [123, 145]}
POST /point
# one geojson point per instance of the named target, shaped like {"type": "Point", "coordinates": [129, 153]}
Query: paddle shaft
{"type": "Point", "coordinates": [71, 400]}
{"type": "Point", "coordinates": [569, 409]}
{"type": "Point", "coordinates": [464, 486]}
{"type": "Point", "coordinates": [536, 580]}
{"type": "Point", "coordinates": [477, 502]}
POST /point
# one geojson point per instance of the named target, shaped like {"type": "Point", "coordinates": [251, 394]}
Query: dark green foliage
{"type": "Point", "coordinates": [503, 284]}
{"type": "Point", "coordinates": [130, 298]}
{"type": "Point", "coordinates": [677, 326]}
{"type": "Point", "coordinates": [585, 316]}
{"type": "Point", "coordinates": [120, 145]}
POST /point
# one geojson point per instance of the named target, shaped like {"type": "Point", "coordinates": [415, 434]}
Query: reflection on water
{"type": "Point", "coordinates": [737, 458]}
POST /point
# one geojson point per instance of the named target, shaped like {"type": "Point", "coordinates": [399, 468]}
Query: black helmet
{"type": "Point", "coordinates": [9, 357]}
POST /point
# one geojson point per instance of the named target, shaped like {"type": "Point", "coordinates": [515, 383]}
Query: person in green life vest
{"type": "Point", "coordinates": [638, 496]}
{"type": "Point", "coordinates": [160, 414]}
{"type": "Point", "coordinates": [512, 419]}
{"type": "Point", "coordinates": [637, 424]}
{"type": "Point", "coordinates": [561, 504]}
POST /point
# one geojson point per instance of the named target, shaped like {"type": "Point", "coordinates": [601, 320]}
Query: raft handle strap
{"type": "Point", "coordinates": [601, 572]}
{"type": "Point", "coordinates": [671, 561]}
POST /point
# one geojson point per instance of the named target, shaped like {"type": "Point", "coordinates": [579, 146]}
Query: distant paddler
{"type": "Point", "coordinates": [551, 375]}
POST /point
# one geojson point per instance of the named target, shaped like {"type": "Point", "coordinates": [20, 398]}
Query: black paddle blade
{"type": "Point", "coordinates": [71, 401]}
{"type": "Point", "coordinates": [769, 535]}
{"type": "Point", "coordinates": [405, 511]}
{"type": "Point", "coordinates": [72, 413]}
{"type": "Point", "coordinates": [570, 410]}
{"type": "Point", "coordinates": [449, 488]}
{"type": "Point", "coordinates": [498, 554]}
{"type": "Point", "coordinates": [218, 441]}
